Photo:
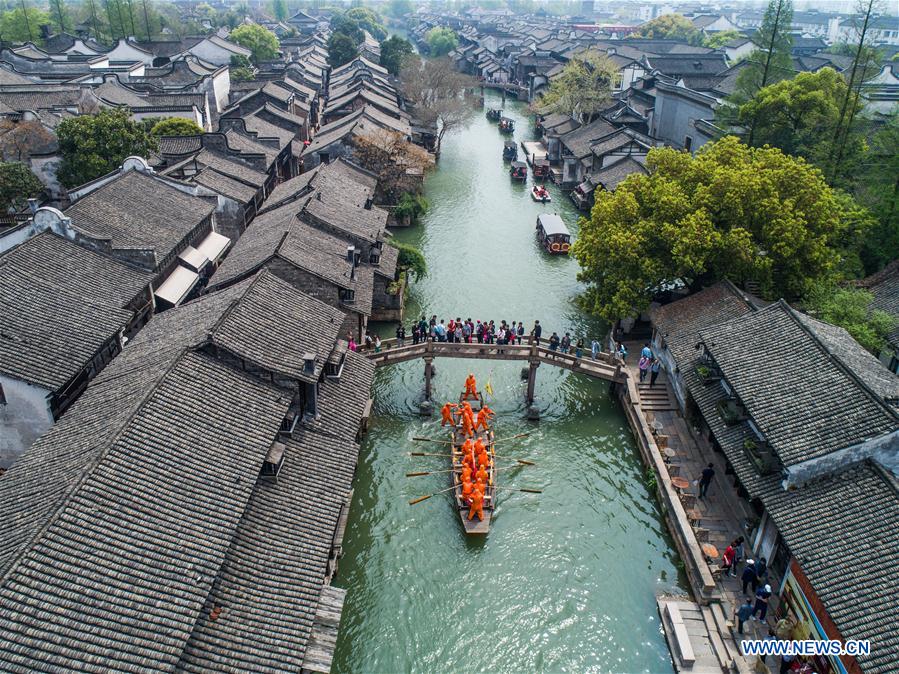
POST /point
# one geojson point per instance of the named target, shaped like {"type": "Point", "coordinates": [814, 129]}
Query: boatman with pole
{"type": "Point", "coordinates": [447, 413]}
{"type": "Point", "coordinates": [470, 387]}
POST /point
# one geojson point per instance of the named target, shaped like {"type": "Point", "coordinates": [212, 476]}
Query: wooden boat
{"type": "Point", "coordinates": [474, 526]}
{"type": "Point", "coordinates": [510, 150]}
{"type": "Point", "coordinates": [541, 194]}
{"type": "Point", "coordinates": [552, 234]}
{"type": "Point", "coordinates": [506, 125]}
{"type": "Point", "coordinates": [494, 115]}
{"type": "Point", "coordinates": [519, 171]}
{"type": "Point", "coordinates": [540, 168]}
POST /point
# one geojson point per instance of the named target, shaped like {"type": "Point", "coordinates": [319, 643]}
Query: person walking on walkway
{"type": "Point", "coordinates": [706, 479]}
{"type": "Point", "coordinates": [520, 332]}
{"type": "Point", "coordinates": [748, 576]}
{"type": "Point", "coordinates": [622, 352]}
{"type": "Point", "coordinates": [761, 571]}
{"type": "Point", "coordinates": [400, 335]}
{"type": "Point", "coordinates": [762, 595]}
{"type": "Point", "coordinates": [740, 549]}
{"type": "Point", "coordinates": [654, 371]}
{"type": "Point", "coordinates": [595, 348]}
{"type": "Point", "coordinates": [579, 347]}
{"type": "Point", "coordinates": [536, 331]}
{"type": "Point", "coordinates": [646, 352]}
{"type": "Point", "coordinates": [743, 613]}
{"type": "Point", "coordinates": [565, 344]}
{"type": "Point", "coordinates": [727, 559]}
{"type": "Point", "coordinates": [643, 364]}
{"type": "Point", "coordinates": [554, 342]}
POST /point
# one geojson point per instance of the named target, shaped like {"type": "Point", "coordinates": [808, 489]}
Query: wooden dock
{"type": "Point", "coordinates": [533, 150]}
{"type": "Point", "coordinates": [323, 640]}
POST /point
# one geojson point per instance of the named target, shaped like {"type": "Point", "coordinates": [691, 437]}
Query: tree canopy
{"type": "Point", "coordinates": [369, 20]}
{"type": "Point", "coordinates": [850, 308]}
{"type": "Point", "coordinates": [176, 126]}
{"type": "Point", "coordinates": [94, 145]}
{"type": "Point", "coordinates": [341, 49]}
{"type": "Point", "coordinates": [584, 87]}
{"type": "Point", "coordinates": [436, 90]}
{"type": "Point", "coordinates": [772, 61]}
{"type": "Point", "coordinates": [347, 25]}
{"type": "Point", "coordinates": [279, 9]}
{"type": "Point", "coordinates": [18, 25]}
{"type": "Point", "coordinates": [410, 259]}
{"type": "Point", "coordinates": [718, 40]}
{"type": "Point", "coordinates": [17, 185]}
{"type": "Point", "coordinates": [399, 8]}
{"type": "Point", "coordinates": [394, 160]}
{"type": "Point", "coordinates": [393, 50]}
{"type": "Point", "coordinates": [441, 41]}
{"type": "Point", "coordinates": [731, 211]}
{"type": "Point", "coordinates": [261, 41]}
{"type": "Point", "coordinates": [668, 27]}
{"type": "Point", "coordinates": [878, 189]}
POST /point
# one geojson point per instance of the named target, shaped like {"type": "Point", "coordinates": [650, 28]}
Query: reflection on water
{"type": "Point", "coordinates": [566, 580]}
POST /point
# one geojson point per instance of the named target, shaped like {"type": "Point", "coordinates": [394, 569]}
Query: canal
{"type": "Point", "coordinates": [566, 580]}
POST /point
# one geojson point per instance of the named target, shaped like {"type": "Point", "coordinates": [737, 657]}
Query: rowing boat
{"type": "Point", "coordinates": [473, 526]}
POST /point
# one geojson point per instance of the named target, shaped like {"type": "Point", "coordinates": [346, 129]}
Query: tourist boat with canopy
{"type": "Point", "coordinates": [494, 115]}
{"type": "Point", "coordinates": [519, 171]}
{"type": "Point", "coordinates": [541, 168]}
{"type": "Point", "coordinates": [541, 194]}
{"type": "Point", "coordinates": [510, 150]}
{"type": "Point", "coordinates": [473, 526]}
{"type": "Point", "coordinates": [552, 234]}
{"type": "Point", "coordinates": [506, 125]}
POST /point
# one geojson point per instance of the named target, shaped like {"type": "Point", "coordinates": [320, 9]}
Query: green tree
{"type": "Point", "coordinates": [772, 61]}
{"type": "Point", "coordinates": [22, 24]}
{"type": "Point", "coordinates": [799, 116]}
{"type": "Point", "coordinates": [718, 40]}
{"type": "Point", "coordinates": [176, 126]}
{"type": "Point", "coordinates": [441, 41]}
{"type": "Point", "coordinates": [584, 87]}
{"type": "Point", "coordinates": [60, 15]}
{"type": "Point", "coordinates": [410, 259]}
{"type": "Point", "coordinates": [878, 189]}
{"type": "Point", "coordinates": [17, 185]}
{"type": "Point", "coordinates": [368, 19]}
{"type": "Point", "coordinates": [94, 145]}
{"type": "Point", "coordinates": [731, 211]}
{"type": "Point", "coordinates": [279, 9]}
{"type": "Point", "coordinates": [393, 51]}
{"type": "Point", "coordinates": [261, 41]}
{"type": "Point", "coordinates": [399, 8]}
{"type": "Point", "coordinates": [669, 27]}
{"type": "Point", "coordinates": [341, 49]}
{"type": "Point", "coordinates": [850, 308]}
{"type": "Point", "coordinates": [341, 23]}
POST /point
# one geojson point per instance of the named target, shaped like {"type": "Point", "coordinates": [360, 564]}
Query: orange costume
{"type": "Point", "coordinates": [482, 474]}
{"type": "Point", "coordinates": [483, 460]}
{"type": "Point", "coordinates": [479, 446]}
{"type": "Point", "coordinates": [467, 491]}
{"type": "Point", "coordinates": [477, 505]}
{"type": "Point", "coordinates": [466, 473]}
{"type": "Point", "coordinates": [484, 415]}
{"type": "Point", "coordinates": [467, 426]}
{"type": "Point", "coordinates": [470, 387]}
{"type": "Point", "coordinates": [447, 413]}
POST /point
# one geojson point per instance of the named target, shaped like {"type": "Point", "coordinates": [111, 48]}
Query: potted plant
{"type": "Point", "coordinates": [730, 411]}
{"type": "Point", "coordinates": [707, 372]}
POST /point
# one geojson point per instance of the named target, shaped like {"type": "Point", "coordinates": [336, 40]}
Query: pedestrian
{"type": "Point", "coordinates": [416, 334]}
{"type": "Point", "coordinates": [643, 364]}
{"type": "Point", "coordinates": [706, 479]}
{"type": "Point", "coordinates": [744, 613]}
{"type": "Point", "coordinates": [451, 331]}
{"type": "Point", "coordinates": [536, 332]}
{"type": "Point", "coordinates": [352, 345]}
{"type": "Point", "coordinates": [369, 341]}
{"type": "Point", "coordinates": [440, 331]}
{"type": "Point", "coordinates": [459, 333]}
{"type": "Point", "coordinates": [654, 371]}
{"type": "Point", "coordinates": [646, 352]}
{"type": "Point", "coordinates": [740, 550]}
{"type": "Point", "coordinates": [595, 348]}
{"type": "Point", "coordinates": [520, 331]}
{"type": "Point", "coordinates": [761, 571]}
{"type": "Point", "coordinates": [748, 576]}
{"type": "Point", "coordinates": [554, 342]}
{"type": "Point", "coordinates": [423, 329]}
{"type": "Point", "coordinates": [727, 559]}
{"type": "Point", "coordinates": [762, 595]}
{"type": "Point", "coordinates": [400, 335]}
{"type": "Point", "coordinates": [466, 331]}
{"type": "Point", "coordinates": [565, 344]}
{"type": "Point", "coordinates": [377, 344]}
{"type": "Point", "coordinates": [579, 347]}
{"type": "Point", "coordinates": [622, 352]}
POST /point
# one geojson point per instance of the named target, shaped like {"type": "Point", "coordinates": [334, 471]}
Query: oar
{"type": "Point", "coordinates": [451, 470]}
{"type": "Point", "coordinates": [498, 456]}
{"type": "Point", "coordinates": [529, 491]}
{"type": "Point", "coordinates": [425, 498]}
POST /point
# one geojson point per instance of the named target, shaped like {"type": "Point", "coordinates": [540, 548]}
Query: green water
{"type": "Point", "coordinates": [566, 580]}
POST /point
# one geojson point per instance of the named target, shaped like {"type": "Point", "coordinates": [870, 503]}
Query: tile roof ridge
{"type": "Point", "coordinates": [88, 470]}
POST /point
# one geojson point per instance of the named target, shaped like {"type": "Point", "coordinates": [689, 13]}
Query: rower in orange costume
{"type": "Point", "coordinates": [466, 473]}
{"type": "Point", "coordinates": [477, 505]}
{"type": "Point", "coordinates": [447, 413]}
{"type": "Point", "coordinates": [484, 415]}
{"type": "Point", "coordinates": [467, 491]}
{"type": "Point", "coordinates": [483, 460]}
{"type": "Point", "coordinates": [481, 475]}
{"type": "Point", "coordinates": [479, 446]}
{"type": "Point", "coordinates": [467, 426]}
{"type": "Point", "coordinates": [470, 387]}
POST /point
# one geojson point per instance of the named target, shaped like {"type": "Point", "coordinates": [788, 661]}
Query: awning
{"type": "Point", "coordinates": [193, 259]}
{"type": "Point", "coordinates": [214, 245]}
{"type": "Point", "coordinates": [177, 286]}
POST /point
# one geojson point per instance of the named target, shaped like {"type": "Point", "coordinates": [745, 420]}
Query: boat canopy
{"type": "Point", "coordinates": [519, 164]}
{"type": "Point", "coordinates": [510, 144]}
{"type": "Point", "coordinates": [552, 225]}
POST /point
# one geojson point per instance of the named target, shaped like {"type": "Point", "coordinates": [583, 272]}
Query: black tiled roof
{"type": "Point", "coordinates": [139, 211]}
{"type": "Point", "coordinates": [803, 399]}
{"type": "Point", "coordinates": [59, 303]}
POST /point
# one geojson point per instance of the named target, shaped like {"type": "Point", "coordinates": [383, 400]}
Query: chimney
{"type": "Point", "coordinates": [274, 460]}
{"type": "Point", "coordinates": [351, 254]}
{"type": "Point", "coordinates": [368, 204]}
{"type": "Point", "coordinates": [309, 362]}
